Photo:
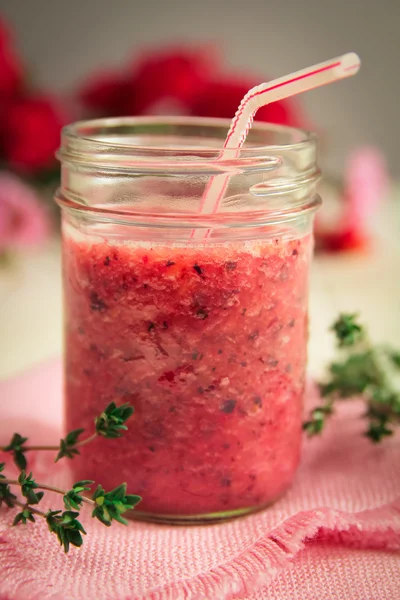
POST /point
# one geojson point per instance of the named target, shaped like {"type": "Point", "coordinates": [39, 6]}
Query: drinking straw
{"type": "Point", "coordinates": [261, 95]}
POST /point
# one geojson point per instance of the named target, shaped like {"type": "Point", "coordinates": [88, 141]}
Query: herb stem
{"type": "Point", "coordinates": [55, 448]}
{"type": "Point", "coordinates": [35, 511]}
{"type": "Point", "coordinates": [43, 486]}
{"type": "Point", "coordinates": [87, 440]}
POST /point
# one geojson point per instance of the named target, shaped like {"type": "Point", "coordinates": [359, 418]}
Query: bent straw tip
{"type": "Point", "coordinates": [349, 64]}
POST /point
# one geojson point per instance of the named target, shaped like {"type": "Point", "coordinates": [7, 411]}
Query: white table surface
{"type": "Point", "coordinates": [31, 307]}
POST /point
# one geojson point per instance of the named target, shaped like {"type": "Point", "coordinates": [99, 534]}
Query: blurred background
{"type": "Point", "coordinates": [63, 61]}
{"type": "Point", "coordinates": [64, 43]}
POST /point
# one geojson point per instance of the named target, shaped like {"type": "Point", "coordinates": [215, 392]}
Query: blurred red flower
{"type": "Point", "coordinates": [221, 99]}
{"type": "Point", "coordinates": [30, 133]}
{"type": "Point", "coordinates": [175, 74]}
{"type": "Point", "coordinates": [178, 75]}
{"type": "Point", "coordinates": [107, 94]}
{"type": "Point", "coordinates": [181, 81]}
{"type": "Point", "coordinates": [11, 71]}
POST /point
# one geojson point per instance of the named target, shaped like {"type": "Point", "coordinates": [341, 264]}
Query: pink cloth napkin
{"type": "Point", "coordinates": [336, 533]}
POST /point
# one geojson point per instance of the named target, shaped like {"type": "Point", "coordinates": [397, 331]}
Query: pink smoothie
{"type": "Point", "coordinates": [209, 346]}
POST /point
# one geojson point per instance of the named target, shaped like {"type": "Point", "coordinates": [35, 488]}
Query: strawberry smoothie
{"type": "Point", "coordinates": [208, 343]}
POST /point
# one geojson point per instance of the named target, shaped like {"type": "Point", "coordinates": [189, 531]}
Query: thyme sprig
{"type": "Point", "coordinates": [106, 506]}
{"type": "Point", "coordinates": [362, 369]}
{"type": "Point", "coordinates": [109, 424]}
{"type": "Point", "coordinates": [65, 524]}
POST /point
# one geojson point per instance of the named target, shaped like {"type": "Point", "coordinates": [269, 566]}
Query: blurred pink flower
{"type": "Point", "coordinates": [366, 183]}
{"type": "Point", "coordinates": [23, 219]}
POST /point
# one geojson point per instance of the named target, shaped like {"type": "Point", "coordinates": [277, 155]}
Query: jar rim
{"type": "Point", "coordinates": [104, 141]}
{"type": "Point", "coordinates": [89, 150]}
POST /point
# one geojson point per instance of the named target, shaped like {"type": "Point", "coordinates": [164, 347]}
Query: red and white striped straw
{"type": "Point", "coordinates": [261, 95]}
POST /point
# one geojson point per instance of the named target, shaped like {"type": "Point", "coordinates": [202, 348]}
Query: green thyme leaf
{"type": "Point", "coordinates": [112, 420]}
{"type": "Point", "coordinates": [16, 447]}
{"type": "Point", "coordinates": [23, 517]}
{"type": "Point", "coordinates": [73, 499]}
{"type": "Point", "coordinates": [112, 505]}
{"type": "Point", "coordinates": [377, 431]}
{"type": "Point", "coordinates": [379, 420]}
{"type": "Point", "coordinates": [6, 496]}
{"type": "Point", "coordinates": [317, 419]}
{"type": "Point", "coordinates": [68, 445]}
{"type": "Point", "coordinates": [28, 487]}
{"type": "Point", "coordinates": [348, 331]}
{"type": "Point", "coordinates": [395, 356]}
{"type": "Point", "coordinates": [66, 527]}
{"type": "Point", "coordinates": [351, 376]}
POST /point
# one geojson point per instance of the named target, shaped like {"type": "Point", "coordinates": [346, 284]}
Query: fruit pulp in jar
{"type": "Point", "coordinates": [208, 344]}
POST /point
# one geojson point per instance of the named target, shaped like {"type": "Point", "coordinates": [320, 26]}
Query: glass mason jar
{"type": "Point", "coordinates": [198, 319]}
